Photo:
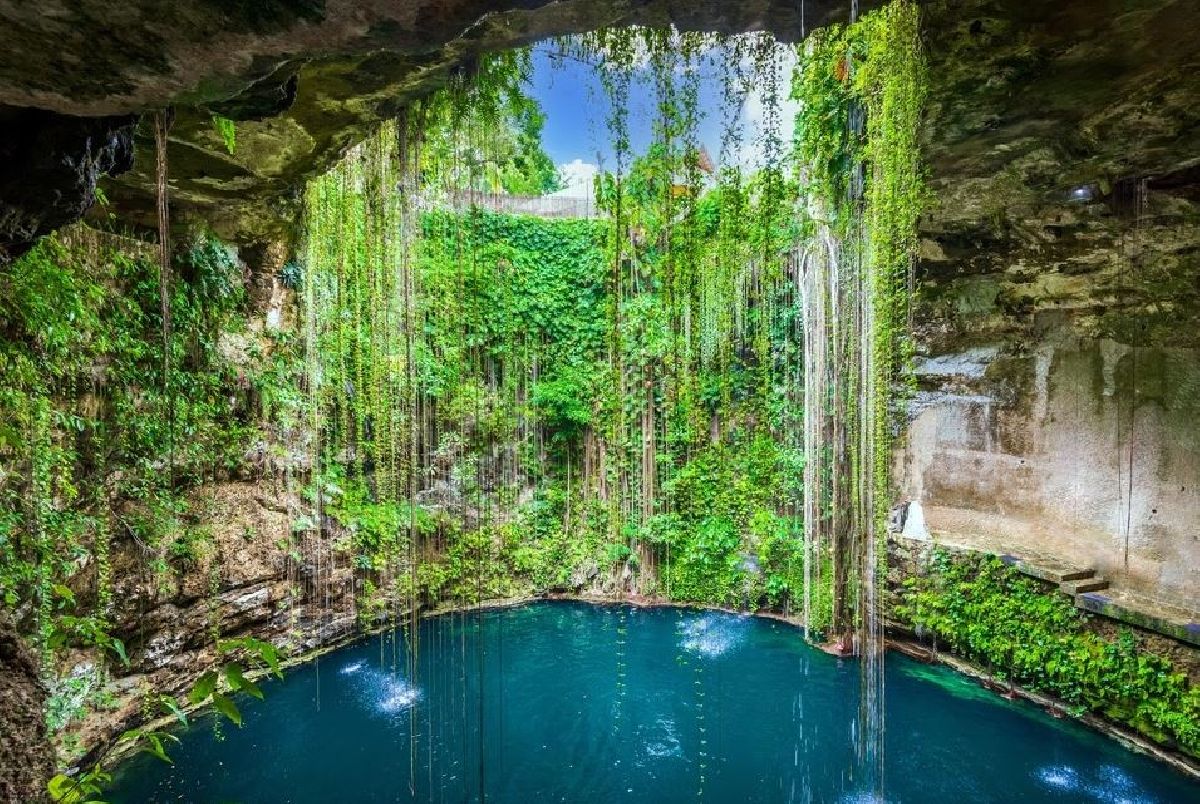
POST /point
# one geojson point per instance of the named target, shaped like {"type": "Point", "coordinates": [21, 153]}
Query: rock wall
{"type": "Point", "coordinates": [49, 168]}
{"type": "Point", "coordinates": [1059, 289]}
{"type": "Point", "coordinates": [254, 579]}
{"type": "Point", "coordinates": [241, 571]}
{"type": "Point", "coordinates": [1082, 449]}
{"type": "Point", "coordinates": [302, 79]}
{"type": "Point", "coordinates": [26, 757]}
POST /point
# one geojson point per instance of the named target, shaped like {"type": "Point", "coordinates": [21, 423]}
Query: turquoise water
{"type": "Point", "coordinates": [584, 703]}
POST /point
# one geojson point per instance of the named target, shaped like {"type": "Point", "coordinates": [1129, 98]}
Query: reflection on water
{"type": "Point", "coordinates": [1108, 784]}
{"type": "Point", "coordinates": [574, 703]}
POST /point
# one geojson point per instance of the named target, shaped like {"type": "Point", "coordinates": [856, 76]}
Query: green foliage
{"type": "Point", "coordinates": [206, 691]}
{"type": "Point", "coordinates": [860, 90]}
{"type": "Point", "coordinates": [515, 290]}
{"type": "Point", "coordinates": [84, 392]}
{"type": "Point", "coordinates": [706, 567]}
{"type": "Point", "coordinates": [585, 363]}
{"type": "Point", "coordinates": [83, 789]}
{"type": "Point", "coordinates": [992, 615]}
{"type": "Point", "coordinates": [485, 133]}
{"type": "Point", "coordinates": [291, 275]}
{"type": "Point", "coordinates": [563, 403]}
{"type": "Point", "coordinates": [227, 130]}
{"type": "Point", "coordinates": [723, 502]}
{"type": "Point", "coordinates": [97, 442]}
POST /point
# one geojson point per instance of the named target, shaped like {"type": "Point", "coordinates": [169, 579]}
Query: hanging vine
{"type": "Point", "coordinates": [860, 89]}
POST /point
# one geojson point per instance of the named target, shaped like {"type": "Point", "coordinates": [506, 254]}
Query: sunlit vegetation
{"type": "Point", "coordinates": [495, 405]}
{"type": "Point", "coordinates": [101, 445]}
{"type": "Point", "coordinates": [992, 615]}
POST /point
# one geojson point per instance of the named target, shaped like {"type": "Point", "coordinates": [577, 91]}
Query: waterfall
{"type": "Point", "coordinates": [842, 393]}
{"type": "Point", "coordinates": [861, 90]}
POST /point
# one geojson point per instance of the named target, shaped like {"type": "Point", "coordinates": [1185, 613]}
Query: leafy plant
{"type": "Point", "coordinates": [227, 130]}
{"type": "Point", "coordinates": [992, 615]}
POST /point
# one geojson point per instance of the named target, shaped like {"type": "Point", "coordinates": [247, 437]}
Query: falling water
{"type": "Point", "coordinates": [855, 281]}
{"type": "Point", "coordinates": [841, 397]}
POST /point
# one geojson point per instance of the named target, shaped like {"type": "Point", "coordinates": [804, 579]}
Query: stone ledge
{"type": "Point", "coordinates": [1047, 569]}
{"type": "Point", "coordinates": [1145, 614]}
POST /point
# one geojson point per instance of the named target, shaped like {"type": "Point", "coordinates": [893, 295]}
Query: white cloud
{"type": "Point", "coordinates": [577, 179]}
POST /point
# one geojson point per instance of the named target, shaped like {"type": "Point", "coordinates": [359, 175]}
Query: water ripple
{"type": "Point", "coordinates": [712, 635]}
{"type": "Point", "coordinates": [1109, 785]}
{"type": "Point", "coordinates": [380, 690]}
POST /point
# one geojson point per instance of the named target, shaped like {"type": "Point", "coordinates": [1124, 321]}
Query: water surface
{"type": "Point", "coordinates": [575, 703]}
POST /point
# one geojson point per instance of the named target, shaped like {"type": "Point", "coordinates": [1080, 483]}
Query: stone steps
{"type": "Point", "coordinates": [1083, 585]}
{"type": "Point", "coordinates": [1048, 569]}
{"type": "Point", "coordinates": [1091, 593]}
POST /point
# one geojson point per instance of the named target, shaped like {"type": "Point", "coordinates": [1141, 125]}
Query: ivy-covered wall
{"type": "Point", "coordinates": [1027, 633]}
{"type": "Point", "coordinates": [143, 500]}
{"type": "Point", "coordinates": [514, 386]}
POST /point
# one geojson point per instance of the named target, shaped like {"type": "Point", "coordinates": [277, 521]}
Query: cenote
{"type": "Point", "coordinates": [557, 701]}
{"type": "Point", "coordinates": [878, 320]}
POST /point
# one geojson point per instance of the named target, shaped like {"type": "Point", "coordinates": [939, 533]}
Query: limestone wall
{"type": "Point", "coordinates": [1083, 449]}
{"type": "Point", "coordinates": [1058, 289]}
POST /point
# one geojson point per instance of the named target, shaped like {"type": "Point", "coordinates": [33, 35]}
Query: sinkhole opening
{"type": "Point", "coordinates": [571, 415]}
{"type": "Point", "coordinates": [681, 380]}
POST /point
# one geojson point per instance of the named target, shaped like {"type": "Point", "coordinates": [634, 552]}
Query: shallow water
{"type": "Point", "coordinates": [585, 703]}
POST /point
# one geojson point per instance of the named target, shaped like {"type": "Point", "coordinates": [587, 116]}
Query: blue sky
{"type": "Point", "coordinates": [576, 107]}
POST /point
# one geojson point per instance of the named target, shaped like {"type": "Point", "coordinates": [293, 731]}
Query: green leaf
{"type": "Point", "coordinates": [238, 681]}
{"type": "Point", "coordinates": [64, 789]}
{"type": "Point", "coordinates": [65, 594]}
{"type": "Point", "coordinates": [205, 686]}
{"type": "Point", "coordinates": [172, 706]}
{"type": "Point", "coordinates": [131, 735]}
{"type": "Point", "coordinates": [227, 707]}
{"type": "Point", "coordinates": [270, 655]}
{"type": "Point", "coordinates": [118, 647]}
{"type": "Point", "coordinates": [227, 130]}
{"type": "Point", "coordinates": [58, 638]}
{"type": "Point", "coordinates": [154, 746]}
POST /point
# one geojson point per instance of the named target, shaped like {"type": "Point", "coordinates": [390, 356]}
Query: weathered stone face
{"type": "Point", "coordinates": [1062, 144]}
{"type": "Point", "coordinates": [27, 758]}
{"type": "Point", "coordinates": [1059, 277]}
{"type": "Point", "coordinates": [49, 167]}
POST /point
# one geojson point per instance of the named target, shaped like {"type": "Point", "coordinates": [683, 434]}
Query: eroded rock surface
{"type": "Point", "coordinates": [1059, 286]}
{"type": "Point", "coordinates": [302, 79]}
{"type": "Point", "coordinates": [49, 167]}
{"type": "Point", "coordinates": [26, 758]}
